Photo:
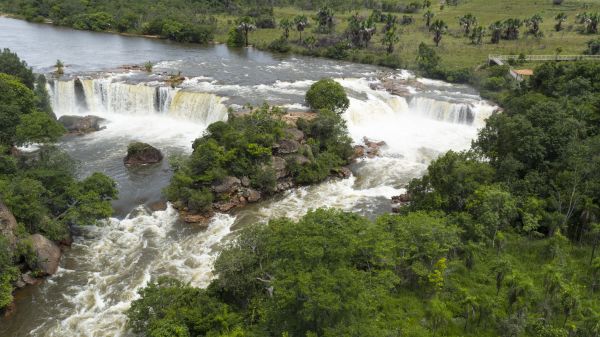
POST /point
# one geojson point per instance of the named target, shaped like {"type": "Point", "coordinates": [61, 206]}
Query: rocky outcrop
{"type": "Point", "coordinates": [81, 124]}
{"type": "Point", "coordinates": [8, 225]}
{"type": "Point", "coordinates": [294, 134]}
{"type": "Point", "coordinates": [287, 146]}
{"type": "Point", "coordinates": [47, 252]}
{"type": "Point", "coordinates": [279, 165]}
{"type": "Point", "coordinates": [142, 154]}
{"type": "Point", "coordinates": [399, 201]}
{"type": "Point", "coordinates": [227, 185]}
{"type": "Point", "coordinates": [370, 149]}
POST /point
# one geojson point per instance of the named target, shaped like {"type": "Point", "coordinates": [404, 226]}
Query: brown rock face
{"type": "Point", "coordinates": [142, 154]}
{"type": "Point", "coordinates": [295, 134]}
{"type": "Point", "coordinates": [288, 146]}
{"type": "Point", "coordinates": [81, 125]}
{"type": "Point", "coordinates": [8, 224]}
{"type": "Point", "coordinates": [48, 254]}
{"type": "Point", "coordinates": [280, 166]}
{"type": "Point", "coordinates": [252, 195]}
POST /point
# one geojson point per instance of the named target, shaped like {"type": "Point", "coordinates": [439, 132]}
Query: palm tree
{"type": "Point", "coordinates": [428, 16]}
{"type": "Point", "coordinates": [496, 31]}
{"type": "Point", "coordinates": [390, 38]}
{"type": "Point", "coordinates": [246, 25]}
{"type": "Point", "coordinates": [286, 25]}
{"type": "Point", "coordinates": [534, 25]}
{"type": "Point", "coordinates": [467, 21]}
{"type": "Point", "coordinates": [477, 35]}
{"type": "Point", "coordinates": [560, 19]}
{"type": "Point", "coordinates": [301, 23]}
{"type": "Point", "coordinates": [438, 28]}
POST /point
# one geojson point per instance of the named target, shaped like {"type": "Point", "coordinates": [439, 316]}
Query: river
{"type": "Point", "coordinates": [101, 273]}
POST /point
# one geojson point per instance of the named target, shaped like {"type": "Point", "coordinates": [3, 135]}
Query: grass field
{"type": "Point", "coordinates": [456, 49]}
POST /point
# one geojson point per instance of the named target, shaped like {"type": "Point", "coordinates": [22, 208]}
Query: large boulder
{"type": "Point", "coordinates": [228, 185]}
{"type": "Point", "coordinates": [287, 146]}
{"type": "Point", "coordinates": [142, 154]}
{"type": "Point", "coordinates": [47, 252]}
{"type": "Point", "coordinates": [279, 165]}
{"type": "Point", "coordinates": [294, 134]}
{"type": "Point", "coordinates": [81, 124]}
{"type": "Point", "coordinates": [8, 225]}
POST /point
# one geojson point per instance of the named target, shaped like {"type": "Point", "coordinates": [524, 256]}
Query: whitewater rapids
{"type": "Point", "coordinates": [108, 264]}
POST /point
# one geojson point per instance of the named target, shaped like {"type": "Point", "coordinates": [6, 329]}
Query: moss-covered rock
{"type": "Point", "coordinates": [142, 154]}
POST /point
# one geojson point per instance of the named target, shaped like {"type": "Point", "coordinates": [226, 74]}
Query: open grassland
{"type": "Point", "coordinates": [456, 50]}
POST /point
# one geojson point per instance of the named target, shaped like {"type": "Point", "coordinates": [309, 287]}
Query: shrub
{"type": "Point", "coordinates": [235, 38]}
{"type": "Point", "coordinates": [593, 47]}
{"type": "Point", "coordinates": [494, 83]}
{"type": "Point", "coordinates": [338, 51]}
{"type": "Point", "coordinates": [280, 46]}
{"type": "Point", "coordinates": [327, 94]}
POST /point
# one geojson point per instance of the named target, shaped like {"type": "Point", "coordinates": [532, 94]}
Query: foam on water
{"type": "Point", "coordinates": [117, 259]}
{"type": "Point", "coordinates": [108, 264]}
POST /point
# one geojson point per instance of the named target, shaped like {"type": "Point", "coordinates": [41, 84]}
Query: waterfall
{"type": "Point", "coordinates": [460, 113]}
{"type": "Point", "coordinates": [105, 96]}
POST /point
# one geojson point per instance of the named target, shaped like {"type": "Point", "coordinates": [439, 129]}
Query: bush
{"type": "Point", "coordinates": [593, 47]}
{"type": "Point", "coordinates": [327, 94]}
{"type": "Point", "coordinates": [494, 83]}
{"type": "Point", "coordinates": [200, 200]}
{"type": "Point", "coordinates": [235, 38]}
{"type": "Point", "coordinates": [280, 46]}
{"type": "Point", "coordinates": [338, 51]}
{"type": "Point", "coordinates": [390, 60]}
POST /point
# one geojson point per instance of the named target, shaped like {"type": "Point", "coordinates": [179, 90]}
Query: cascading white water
{"type": "Point", "coordinates": [105, 96]}
{"type": "Point", "coordinates": [460, 113]}
{"type": "Point", "coordinates": [111, 262]}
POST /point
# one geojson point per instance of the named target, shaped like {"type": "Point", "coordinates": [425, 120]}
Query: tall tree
{"type": "Point", "coordinates": [560, 19]}
{"type": "Point", "coordinates": [439, 28]}
{"type": "Point", "coordinates": [301, 23]}
{"type": "Point", "coordinates": [246, 25]}
{"type": "Point", "coordinates": [467, 21]}
{"type": "Point", "coordinates": [428, 17]}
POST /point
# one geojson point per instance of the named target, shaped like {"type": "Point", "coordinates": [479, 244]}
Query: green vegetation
{"type": "Point", "coordinates": [247, 146]}
{"type": "Point", "coordinates": [327, 94]}
{"type": "Point", "coordinates": [39, 188]}
{"type": "Point", "coordinates": [344, 29]}
{"type": "Point", "coordinates": [500, 240]}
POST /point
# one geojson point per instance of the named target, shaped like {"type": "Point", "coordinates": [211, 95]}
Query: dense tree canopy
{"type": "Point", "coordinates": [501, 240]}
{"type": "Point", "coordinates": [38, 187]}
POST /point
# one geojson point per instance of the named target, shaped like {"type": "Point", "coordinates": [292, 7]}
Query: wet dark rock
{"type": "Point", "coordinates": [359, 152]}
{"type": "Point", "coordinates": [47, 252]}
{"type": "Point", "coordinates": [399, 201]}
{"type": "Point", "coordinates": [8, 225]}
{"type": "Point", "coordinates": [30, 280]}
{"type": "Point", "coordinates": [373, 148]}
{"type": "Point", "coordinates": [201, 220]}
{"type": "Point", "coordinates": [81, 124]}
{"type": "Point", "coordinates": [228, 185]}
{"type": "Point", "coordinates": [344, 172]}
{"type": "Point", "coordinates": [158, 206]}
{"type": "Point", "coordinates": [284, 185]}
{"type": "Point", "coordinates": [142, 154]}
{"type": "Point", "coordinates": [252, 195]}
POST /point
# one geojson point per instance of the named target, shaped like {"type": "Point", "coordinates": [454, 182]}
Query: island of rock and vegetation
{"type": "Point", "coordinates": [261, 152]}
